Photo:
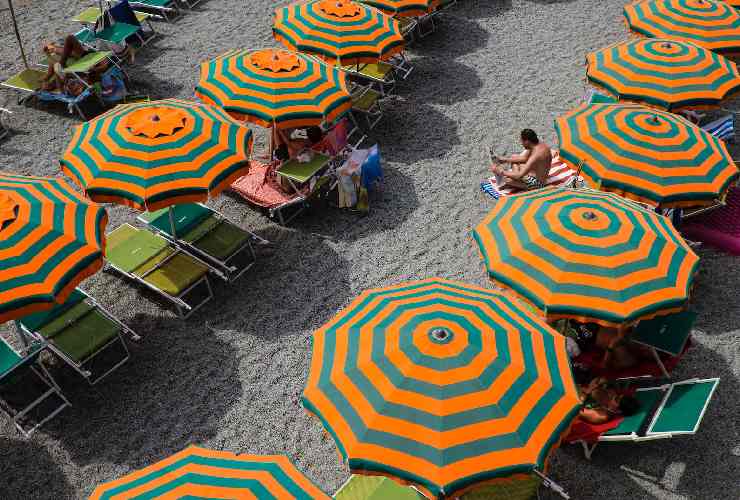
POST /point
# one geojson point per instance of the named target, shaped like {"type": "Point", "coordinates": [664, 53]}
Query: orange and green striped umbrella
{"type": "Point", "coordinates": [403, 8]}
{"type": "Point", "coordinates": [587, 255]}
{"type": "Point", "coordinates": [441, 384]}
{"type": "Point", "coordinates": [338, 31]}
{"type": "Point", "coordinates": [734, 3]}
{"type": "Point", "coordinates": [275, 88]}
{"type": "Point", "coordinates": [50, 240]}
{"type": "Point", "coordinates": [201, 473]}
{"type": "Point", "coordinates": [651, 156]}
{"type": "Point", "coordinates": [714, 25]}
{"type": "Point", "coordinates": [154, 154]}
{"type": "Point", "coordinates": [663, 73]}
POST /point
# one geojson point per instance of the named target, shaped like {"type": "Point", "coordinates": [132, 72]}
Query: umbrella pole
{"type": "Point", "coordinates": [17, 33]}
{"type": "Point", "coordinates": [173, 228]}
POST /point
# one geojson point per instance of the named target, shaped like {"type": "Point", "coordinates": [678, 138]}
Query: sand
{"type": "Point", "coordinates": [231, 376]}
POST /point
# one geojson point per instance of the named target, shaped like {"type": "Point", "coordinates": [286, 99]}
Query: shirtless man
{"type": "Point", "coordinates": [529, 169]}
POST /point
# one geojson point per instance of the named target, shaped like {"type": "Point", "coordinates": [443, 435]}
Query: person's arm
{"type": "Point", "coordinates": [517, 174]}
{"type": "Point", "coordinates": [516, 159]}
{"type": "Point", "coordinates": [594, 415]}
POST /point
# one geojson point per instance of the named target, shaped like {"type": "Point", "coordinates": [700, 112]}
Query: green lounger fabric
{"type": "Point", "coordinates": [86, 36]}
{"type": "Point", "coordinates": [86, 62]}
{"type": "Point", "coordinates": [186, 216]}
{"type": "Point", "coordinates": [91, 15]}
{"type": "Point", "coordinates": [129, 248]}
{"type": "Point", "coordinates": [684, 407]}
{"type": "Point", "coordinates": [153, 3]}
{"type": "Point", "coordinates": [175, 275]}
{"type": "Point", "coordinates": [597, 98]}
{"type": "Point", "coordinates": [518, 489]}
{"type": "Point", "coordinates": [375, 488]}
{"type": "Point", "coordinates": [218, 238]}
{"type": "Point", "coordinates": [365, 101]}
{"type": "Point", "coordinates": [8, 358]}
{"type": "Point", "coordinates": [302, 172]}
{"type": "Point", "coordinates": [35, 321]}
{"type": "Point", "coordinates": [80, 331]}
{"type": "Point", "coordinates": [117, 32]}
{"type": "Point", "coordinates": [666, 333]}
{"type": "Point", "coordinates": [648, 400]}
{"type": "Point", "coordinates": [28, 79]}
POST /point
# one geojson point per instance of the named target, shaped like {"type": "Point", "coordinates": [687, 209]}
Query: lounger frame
{"type": "Point", "coordinates": [3, 128]}
{"type": "Point", "coordinates": [42, 373]}
{"type": "Point", "coordinates": [25, 334]}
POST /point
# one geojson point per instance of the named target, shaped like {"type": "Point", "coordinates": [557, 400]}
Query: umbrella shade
{"type": "Point", "coordinates": [200, 473]}
{"type": "Point", "coordinates": [587, 255]}
{"type": "Point", "coordinates": [651, 156]}
{"type": "Point", "coordinates": [664, 73]}
{"type": "Point", "coordinates": [403, 8]}
{"type": "Point", "coordinates": [441, 384]}
{"type": "Point", "coordinates": [154, 154]}
{"type": "Point", "coordinates": [713, 25]}
{"type": "Point", "coordinates": [275, 87]}
{"type": "Point", "coordinates": [50, 240]}
{"type": "Point", "coordinates": [338, 31]}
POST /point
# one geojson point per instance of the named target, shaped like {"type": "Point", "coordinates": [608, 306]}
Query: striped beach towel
{"type": "Point", "coordinates": [560, 174]}
{"type": "Point", "coordinates": [722, 128]}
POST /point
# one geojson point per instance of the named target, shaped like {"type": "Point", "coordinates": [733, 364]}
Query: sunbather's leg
{"type": "Point", "coordinates": [72, 48]}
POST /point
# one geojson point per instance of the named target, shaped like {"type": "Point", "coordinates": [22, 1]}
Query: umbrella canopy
{"type": "Point", "coordinates": [664, 73]}
{"type": "Point", "coordinates": [50, 240]}
{"type": "Point", "coordinates": [275, 88]}
{"type": "Point", "coordinates": [587, 255]}
{"type": "Point", "coordinates": [200, 473]}
{"type": "Point", "coordinates": [441, 384]}
{"type": "Point", "coordinates": [403, 8]}
{"type": "Point", "coordinates": [651, 156]}
{"type": "Point", "coordinates": [154, 154]}
{"type": "Point", "coordinates": [713, 25]}
{"type": "Point", "coordinates": [338, 31]}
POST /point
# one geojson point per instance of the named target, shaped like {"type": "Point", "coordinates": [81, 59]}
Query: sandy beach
{"type": "Point", "coordinates": [231, 376]}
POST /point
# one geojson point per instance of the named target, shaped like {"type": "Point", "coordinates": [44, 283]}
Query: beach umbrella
{"type": "Point", "coordinates": [714, 25]}
{"type": "Point", "coordinates": [587, 255]}
{"type": "Point", "coordinates": [338, 31]}
{"type": "Point", "coordinates": [155, 154]}
{"type": "Point", "coordinates": [274, 87]}
{"type": "Point", "coordinates": [201, 473]}
{"type": "Point", "coordinates": [663, 73]}
{"type": "Point", "coordinates": [50, 240]}
{"type": "Point", "coordinates": [442, 385]}
{"type": "Point", "coordinates": [403, 8]}
{"type": "Point", "coordinates": [648, 155]}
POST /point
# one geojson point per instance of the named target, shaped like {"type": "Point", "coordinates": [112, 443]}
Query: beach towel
{"type": "Point", "coordinates": [260, 187]}
{"type": "Point", "coordinates": [720, 227]}
{"type": "Point", "coordinates": [560, 174]}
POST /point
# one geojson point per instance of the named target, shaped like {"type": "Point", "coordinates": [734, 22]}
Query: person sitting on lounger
{"type": "Point", "coordinates": [58, 56]}
{"type": "Point", "coordinates": [529, 170]}
{"type": "Point", "coordinates": [601, 402]}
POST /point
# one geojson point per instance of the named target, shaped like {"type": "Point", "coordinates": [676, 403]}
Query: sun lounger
{"type": "Point", "coordinates": [152, 261]}
{"type": "Point", "coordinates": [81, 333]}
{"type": "Point", "coordinates": [560, 175]}
{"type": "Point", "coordinates": [90, 16]}
{"type": "Point", "coordinates": [359, 487]}
{"type": "Point", "coordinates": [29, 81]}
{"type": "Point", "coordinates": [666, 411]}
{"type": "Point", "coordinates": [207, 235]}
{"type": "Point", "coordinates": [382, 75]}
{"type": "Point", "coordinates": [165, 9]}
{"type": "Point", "coordinates": [28, 393]}
{"type": "Point", "coordinates": [366, 106]}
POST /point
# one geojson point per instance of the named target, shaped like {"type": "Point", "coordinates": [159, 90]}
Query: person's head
{"type": "Point", "coordinates": [282, 153]}
{"type": "Point", "coordinates": [314, 134]}
{"type": "Point", "coordinates": [529, 138]}
{"type": "Point", "coordinates": [628, 405]}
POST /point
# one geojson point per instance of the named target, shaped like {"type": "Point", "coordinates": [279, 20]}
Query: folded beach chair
{"type": "Point", "coordinates": [28, 393]}
{"type": "Point", "coordinates": [3, 128]}
{"type": "Point", "coordinates": [207, 235]}
{"type": "Point", "coordinates": [153, 261]}
{"type": "Point", "coordinates": [81, 333]}
{"type": "Point", "coordinates": [665, 411]}
{"type": "Point", "coordinates": [560, 175]}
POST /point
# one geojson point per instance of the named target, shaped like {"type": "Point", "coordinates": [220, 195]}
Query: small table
{"type": "Point", "coordinates": [295, 172]}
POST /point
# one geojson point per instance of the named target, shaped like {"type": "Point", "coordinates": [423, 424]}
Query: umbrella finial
{"type": "Point", "coordinates": [440, 335]}
{"type": "Point", "coordinates": [590, 215]}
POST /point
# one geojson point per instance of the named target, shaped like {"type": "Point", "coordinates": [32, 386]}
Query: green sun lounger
{"type": "Point", "coordinates": [29, 82]}
{"type": "Point", "coordinates": [81, 333]}
{"type": "Point", "coordinates": [360, 487]}
{"type": "Point", "coordinates": [665, 411]}
{"type": "Point", "coordinates": [207, 235]}
{"type": "Point", "coordinates": [28, 393]}
{"type": "Point", "coordinates": [366, 105]}
{"type": "Point", "coordinates": [154, 262]}
{"type": "Point", "coordinates": [667, 334]}
{"type": "Point", "coordinates": [380, 74]}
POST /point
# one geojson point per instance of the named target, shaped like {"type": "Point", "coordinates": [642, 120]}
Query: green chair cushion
{"type": "Point", "coordinates": [117, 32]}
{"type": "Point", "coordinates": [35, 321]}
{"type": "Point", "coordinates": [186, 216]}
{"type": "Point", "coordinates": [634, 423]}
{"type": "Point", "coordinates": [378, 71]}
{"type": "Point", "coordinates": [302, 172]}
{"type": "Point", "coordinates": [375, 488]}
{"type": "Point", "coordinates": [366, 100]}
{"type": "Point", "coordinates": [88, 333]}
{"type": "Point", "coordinates": [666, 333]}
{"type": "Point", "coordinates": [175, 275]}
{"type": "Point", "coordinates": [217, 237]}
{"type": "Point", "coordinates": [129, 248]}
{"type": "Point", "coordinates": [28, 79]}
{"type": "Point", "coordinates": [684, 407]}
{"type": "Point", "coordinates": [86, 62]}
{"type": "Point", "coordinates": [8, 357]}
{"type": "Point", "coordinates": [515, 489]}
{"type": "Point", "coordinates": [64, 319]}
